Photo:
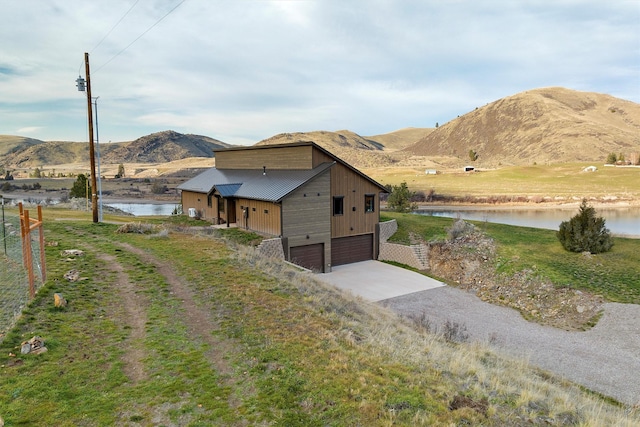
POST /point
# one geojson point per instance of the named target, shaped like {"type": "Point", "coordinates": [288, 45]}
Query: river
{"type": "Point", "coordinates": [622, 221]}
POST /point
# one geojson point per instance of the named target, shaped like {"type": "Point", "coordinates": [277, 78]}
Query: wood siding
{"type": "Point", "coordinates": [295, 157]}
{"type": "Point", "coordinates": [353, 187]}
{"type": "Point", "coordinates": [258, 220]}
{"type": "Point", "coordinates": [306, 216]}
{"type": "Point", "coordinates": [198, 201]}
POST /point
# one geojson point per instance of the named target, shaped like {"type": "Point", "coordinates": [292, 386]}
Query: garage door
{"type": "Point", "coordinates": [345, 250]}
{"type": "Point", "coordinates": [308, 256]}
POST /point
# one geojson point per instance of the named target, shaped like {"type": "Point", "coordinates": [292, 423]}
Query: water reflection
{"type": "Point", "coordinates": [623, 221]}
{"type": "Point", "coordinates": [145, 209]}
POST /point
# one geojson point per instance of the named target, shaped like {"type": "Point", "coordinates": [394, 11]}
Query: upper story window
{"type": "Point", "coordinates": [369, 203]}
{"type": "Point", "coordinates": [338, 205]}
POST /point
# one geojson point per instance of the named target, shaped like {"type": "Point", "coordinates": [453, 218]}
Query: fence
{"type": "Point", "coordinates": [22, 269]}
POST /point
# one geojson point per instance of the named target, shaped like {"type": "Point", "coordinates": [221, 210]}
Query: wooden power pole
{"type": "Point", "coordinates": [92, 157]}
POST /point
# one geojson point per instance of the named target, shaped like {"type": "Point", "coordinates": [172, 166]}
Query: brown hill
{"type": "Point", "coordinates": [161, 147]}
{"type": "Point", "coordinates": [10, 144]}
{"type": "Point", "coordinates": [549, 125]}
{"type": "Point", "coordinates": [401, 138]}
{"type": "Point", "coordinates": [349, 146]}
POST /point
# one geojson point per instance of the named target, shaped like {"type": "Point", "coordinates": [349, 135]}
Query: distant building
{"type": "Point", "coordinates": [469, 168]}
{"type": "Point", "coordinates": [430, 172]}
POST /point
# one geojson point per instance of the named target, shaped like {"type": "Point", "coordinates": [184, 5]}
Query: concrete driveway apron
{"type": "Point", "coordinates": [377, 281]}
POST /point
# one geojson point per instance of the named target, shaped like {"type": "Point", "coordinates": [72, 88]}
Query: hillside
{"type": "Point", "coordinates": [160, 147]}
{"type": "Point", "coordinates": [549, 125]}
{"type": "Point", "coordinates": [10, 144]}
{"type": "Point", "coordinates": [401, 138]}
{"type": "Point", "coordinates": [349, 146]}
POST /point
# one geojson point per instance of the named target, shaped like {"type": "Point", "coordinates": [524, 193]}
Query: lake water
{"type": "Point", "coordinates": [145, 209]}
{"type": "Point", "coordinates": [621, 221]}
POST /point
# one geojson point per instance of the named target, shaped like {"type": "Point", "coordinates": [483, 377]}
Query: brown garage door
{"type": "Point", "coordinates": [345, 250]}
{"type": "Point", "coordinates": [308, 256]}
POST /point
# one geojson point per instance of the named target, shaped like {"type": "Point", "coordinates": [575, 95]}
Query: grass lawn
{"type": "Point", "coordinates": [615, 274]}
{"type": "Point", "coordinates": [221, 336]}
{"type": "Point", "coordinates": [562, 180]}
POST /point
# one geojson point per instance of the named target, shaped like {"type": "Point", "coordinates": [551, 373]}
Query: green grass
{"type": "Point", "coordinates": [288, 350]}
{"type": "Point", "coordinates": [614, 274]}
{"type": "Point", "coordinates": [562, 180]}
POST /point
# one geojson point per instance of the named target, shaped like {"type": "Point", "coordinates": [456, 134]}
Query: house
{"type": "Point", "coordinates": [325, 211]}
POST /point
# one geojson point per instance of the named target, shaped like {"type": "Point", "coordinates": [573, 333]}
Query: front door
{"type": "Point", "coordinates": [231, 211]}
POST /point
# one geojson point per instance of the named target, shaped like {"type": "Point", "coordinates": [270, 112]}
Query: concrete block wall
{"type": "Point", "coordinates": [416, 256]}
{"type": "Point", "coordinates": [272, 248]}
{"type": "Point", "coordinates": [388, 229]}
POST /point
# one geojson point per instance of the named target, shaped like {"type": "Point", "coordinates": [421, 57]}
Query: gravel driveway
{"type": "Point", "coordinates": [605, 359]}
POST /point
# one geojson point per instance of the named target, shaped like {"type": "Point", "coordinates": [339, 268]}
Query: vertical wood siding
{"type": "Point", "coordinates": [199, 202]}
{"type": "Point", "coordinates": [258, 220]}
{"type": "Point", "coordinates": [307, 212]}
{"type": "Point", "coordinates": [344, 182]}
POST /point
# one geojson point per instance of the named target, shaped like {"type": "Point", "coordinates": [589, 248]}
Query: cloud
{"type": "Point", "coordinates": [245, 70]}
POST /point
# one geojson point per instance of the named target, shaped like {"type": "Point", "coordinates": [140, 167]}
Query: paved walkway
{"type": "Point", "coordinates": [377, 281]}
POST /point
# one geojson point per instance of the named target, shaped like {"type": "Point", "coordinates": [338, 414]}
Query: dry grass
{"type": "Point", "coordinates": [511, 385]}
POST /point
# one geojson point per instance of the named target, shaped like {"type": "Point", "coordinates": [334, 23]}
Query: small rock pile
{"type": "Point", "coordinates": [34, 346]}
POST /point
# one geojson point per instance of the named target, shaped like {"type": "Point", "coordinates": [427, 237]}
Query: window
{"type": "Point", "coordinates": [209, 196]}
{"type": "Point", "coordinates": [220, 205]}
{"type": "Point", "coordinates": [369, 203]}
{"type": "Point", "coordinates": [338, 205]}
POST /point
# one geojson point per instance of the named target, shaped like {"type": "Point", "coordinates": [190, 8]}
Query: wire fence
{"type": "Point", "coordinates": [16, 285]}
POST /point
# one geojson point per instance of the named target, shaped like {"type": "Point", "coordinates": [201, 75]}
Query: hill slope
{"type": "Point", "coordinates": [349, 146]}
{"type": "Point", "coordinates": [160, 147]}
{"type": "Point", "coordinates": [10, 144]}
{"type": "Point", "coordinates": [538, 126]}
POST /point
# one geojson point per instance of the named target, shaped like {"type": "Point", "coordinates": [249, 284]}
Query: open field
{"type": "Point", "coordinates": [181, 328]}
{"type": "Point", "coordinates": [566, 182]}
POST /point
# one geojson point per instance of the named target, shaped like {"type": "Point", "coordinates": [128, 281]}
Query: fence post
{"type": "Point", "coordinates": [43, 261]}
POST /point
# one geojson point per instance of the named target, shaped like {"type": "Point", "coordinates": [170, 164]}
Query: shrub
{"type": "Point", "coordinates": [81, 188]}
{"type": "Point", "coordinates": [400, 199]}
{"type": "Point", "coordinates": [158, 188]}
{"type": "Point", "coordinates": [585, 232]}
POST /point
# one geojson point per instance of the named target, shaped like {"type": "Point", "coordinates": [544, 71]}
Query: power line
{"type": "Point", "coordinates": [114, 27]}
{"type": "Point", "coordinates": [139, 37]}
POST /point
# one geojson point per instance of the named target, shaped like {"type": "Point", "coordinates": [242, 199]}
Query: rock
{"type": "Point", "coordinates": [72, 252]}
{"type": "Point", "coordinates": [59, 300]}
{"type": "Point", "coordinates": [72, 275]}
{"type": "Point", "coordinates": [580, 309]}
{"type": "Point", "coordinates": [34, 346]}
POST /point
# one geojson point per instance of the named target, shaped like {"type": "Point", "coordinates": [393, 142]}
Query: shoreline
{"type": "Point", "coordinates": [598, 204]}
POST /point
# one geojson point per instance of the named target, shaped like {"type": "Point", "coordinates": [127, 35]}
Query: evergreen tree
{"type": "Point", "coordinates": [400, 199]}
{"type": "Point", "coordinates": [80, 187]}
{"type": "Point", "coordinates": [585, 232]}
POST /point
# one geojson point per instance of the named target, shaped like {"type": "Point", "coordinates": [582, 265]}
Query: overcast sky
{"type": "Point", "coordinates": [243, 70]}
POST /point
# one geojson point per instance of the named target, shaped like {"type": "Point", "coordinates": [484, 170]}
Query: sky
{"type": "Point", "coordinates": [244, 70]}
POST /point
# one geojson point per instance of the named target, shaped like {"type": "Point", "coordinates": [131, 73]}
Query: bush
{"type": "Point", "coordinates": [585, 232]}
{"type": "Point", "coordinates": [400, 199]}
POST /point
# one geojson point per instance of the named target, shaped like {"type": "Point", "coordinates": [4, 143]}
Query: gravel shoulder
{"type": "Point", "coordinates": [604, 358]}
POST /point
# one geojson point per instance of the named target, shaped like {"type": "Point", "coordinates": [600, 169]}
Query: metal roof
{"type": "Point", "coordinates": [272, 185]}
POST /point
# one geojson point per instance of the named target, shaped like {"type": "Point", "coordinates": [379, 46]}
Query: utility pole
{"type": "Point", "coordinates": [94, 196]}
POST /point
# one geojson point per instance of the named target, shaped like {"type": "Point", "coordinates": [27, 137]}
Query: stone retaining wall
{"type": "Point", "coordinates": [271, 248]}
{"type": "Point", "coordinates": [416, 256]}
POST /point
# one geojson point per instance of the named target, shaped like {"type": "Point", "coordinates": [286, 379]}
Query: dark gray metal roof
{"type": "Point", "coordinates": [272, 186]}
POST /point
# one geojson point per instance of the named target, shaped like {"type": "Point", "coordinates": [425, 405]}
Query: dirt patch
{"type": "Point", "coordinates": [135, 316]}
{"type": "Point", "coordinates": [199, 319]}
{"type": "Point", "coordinates": [468, 262]}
